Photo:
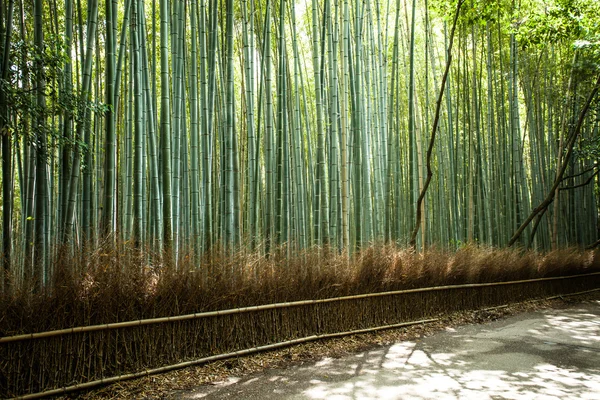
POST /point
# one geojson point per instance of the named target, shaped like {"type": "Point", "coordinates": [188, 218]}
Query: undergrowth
{"type": "Point", "coordinates": [118, 283]}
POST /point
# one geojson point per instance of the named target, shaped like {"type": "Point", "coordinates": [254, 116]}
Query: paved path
{"type": "Point", "coordinates": [551, 354]}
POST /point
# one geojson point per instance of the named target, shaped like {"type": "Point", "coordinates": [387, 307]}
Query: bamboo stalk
{"type": "Point", "coordinates": [128, 324]}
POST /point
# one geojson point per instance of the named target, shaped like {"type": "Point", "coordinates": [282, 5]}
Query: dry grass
{"type": "Point", "coordinates": [113, 285]}
{"type": "Point", "coordinates": [121, 284]}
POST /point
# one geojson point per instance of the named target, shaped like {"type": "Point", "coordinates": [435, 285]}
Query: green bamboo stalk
{"type": "Point", "coordinates": [165, 124]}
{"type": "Point", "coordinates": [298, 144]}
{"type": "Point", "coordinates": [110, 134]}
{"type": "Point", "coordinates": [41, 195]}
{"type": "Point", "coordinates": [194, 129]}
{"type": "Point", "coordinates": [268, 135]}
{"type": "Point", "coordinates": [138, 129]}
{"type": "Point", "coordinates": [83, 124]}
{"type": "Point", "coordinates": [151, 128]}
{"type": "Point", "coordinates": [320, 206]}
{"type": "Point", "coordinates": [7, 181]}
{"type": "Point", "coordinates": [229, 212]}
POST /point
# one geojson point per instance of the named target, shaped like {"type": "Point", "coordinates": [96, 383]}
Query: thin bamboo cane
{"type": "Point", "coordinates": [127, 324]}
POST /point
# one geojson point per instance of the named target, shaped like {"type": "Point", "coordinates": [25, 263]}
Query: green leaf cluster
{"type": "Point", "coordinates": [572, 21]}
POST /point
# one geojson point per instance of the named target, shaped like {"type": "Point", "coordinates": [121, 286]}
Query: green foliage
{"type": "Point", "coordinates": [18, 87]}
{"type": "Point", "coordinates": [483, 11]}
{"type": "Point", "coordinates": [571, 21]}
{"type": "Point", "coordinates": [588, 149]}
{"type": "Point", "coordinates": [588, 63]}
{"type": "Point", "coordinates": [478, 12]}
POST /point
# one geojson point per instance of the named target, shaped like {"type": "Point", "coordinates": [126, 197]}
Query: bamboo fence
{"type": "Point", "coordinates": [54, 362]}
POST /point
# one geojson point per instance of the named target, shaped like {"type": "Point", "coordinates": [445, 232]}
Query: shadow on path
{"type": "Point", "coordinates": [553, 354]}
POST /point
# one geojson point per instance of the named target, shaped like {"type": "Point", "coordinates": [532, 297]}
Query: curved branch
{"type": "Point", "coordinates": [436, 121]}
{"type": "Point", "coordinates": [587, 182]}
{"type": "Point", "coordinates": [593, 245]}
{"type": "Point", "coordinates": [593, 167]}
{"type": "Point", "coordinates": [559, 175]}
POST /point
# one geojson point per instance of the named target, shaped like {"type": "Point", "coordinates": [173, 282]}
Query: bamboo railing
{"type": "Point", "coordinates": [116, 349]}
{"type": "Point", "coordinates": [149, 321]}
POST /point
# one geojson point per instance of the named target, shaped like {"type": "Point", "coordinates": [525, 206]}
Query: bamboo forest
{"type": "Point", "coordinates": [297, 163]}
{"type": "Point", "coordinates": [187, 125]}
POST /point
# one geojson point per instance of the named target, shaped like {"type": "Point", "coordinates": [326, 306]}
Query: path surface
{"type": "Point", "coordinates": [549, 354]}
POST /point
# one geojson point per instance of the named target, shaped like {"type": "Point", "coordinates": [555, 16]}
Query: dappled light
{"type": "Point", "coordinates": [553, 354]}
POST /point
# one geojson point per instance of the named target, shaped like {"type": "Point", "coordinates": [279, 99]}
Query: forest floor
{"type": "Point", "coordinates": [176, 384]}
